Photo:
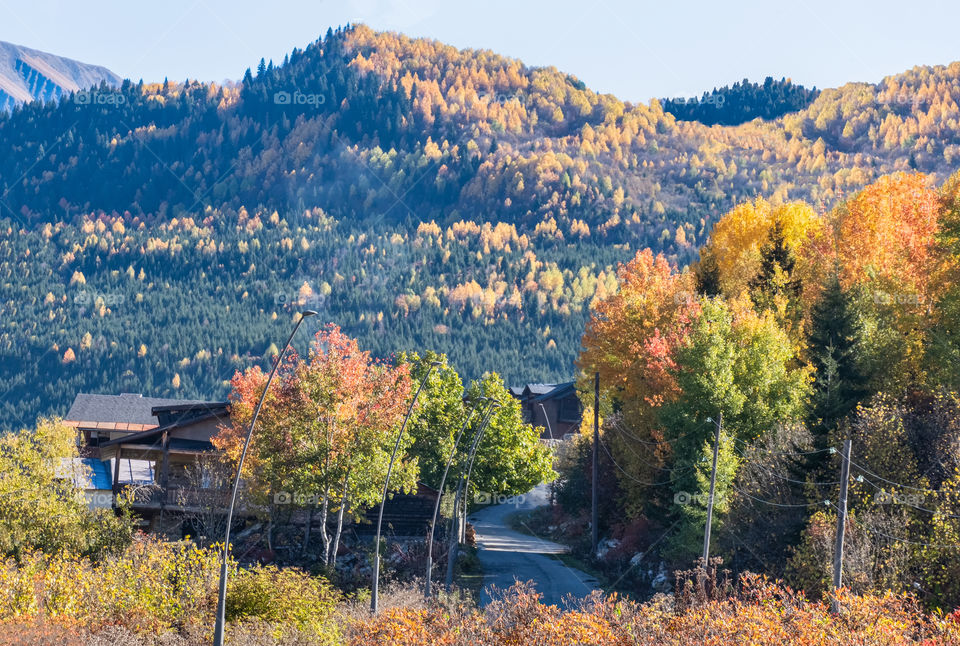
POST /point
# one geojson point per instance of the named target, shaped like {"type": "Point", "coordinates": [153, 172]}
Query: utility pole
{"type": "Point", "coordinates": [594, 511]}
{"type": "Point", "coordinates": [713, 486]}
{"type": "Point", "coordinates": [841, 523]}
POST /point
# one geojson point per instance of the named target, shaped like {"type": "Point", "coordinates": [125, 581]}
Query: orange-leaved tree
{"type": "Point", "coordinates": [882, 243]}
{"type": "Point", "coordinates": [325, 433]}
{"type": "Point", "coordinates": [630, 341]}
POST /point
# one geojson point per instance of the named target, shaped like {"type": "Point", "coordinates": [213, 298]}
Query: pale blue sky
{"type": "Point", "coordinates": [635, 50]}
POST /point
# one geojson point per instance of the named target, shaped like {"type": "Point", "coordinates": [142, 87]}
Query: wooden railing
{"type": "Point", "coordinates": [176, 496]}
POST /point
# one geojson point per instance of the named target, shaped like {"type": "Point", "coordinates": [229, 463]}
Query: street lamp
{"type": "Point", "coordinates": [464, 475]}
{"type": "Point", "coordinates": [718, 424]}
{"type": "Point", "coordinates": [436, 505]}
{"type": "Point", "coordinates": [546, 418]}
{"type": "Point", "coordinates": [374, 592]}
{"type": "Point", "coordinates": [222, 593]}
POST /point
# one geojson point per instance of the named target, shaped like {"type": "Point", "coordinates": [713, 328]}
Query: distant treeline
{"type": "Point", "coordinates": [742, 102]}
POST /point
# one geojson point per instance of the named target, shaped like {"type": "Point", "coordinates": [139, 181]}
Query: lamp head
{"type": "Point", "coordinates": [305, 313]}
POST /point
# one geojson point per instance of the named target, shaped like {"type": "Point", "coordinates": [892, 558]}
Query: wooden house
{"type": "Point", "coordinates": [555, 407]}
{"type": "Point", "coordinates": [148, 445]}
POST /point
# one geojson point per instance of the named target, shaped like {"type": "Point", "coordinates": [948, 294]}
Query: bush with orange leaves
{"type": "Point", "coordinates": [757, 612]}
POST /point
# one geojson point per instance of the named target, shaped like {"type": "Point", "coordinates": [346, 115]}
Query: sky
{"type": "Point", "coordinates": [635, 50]}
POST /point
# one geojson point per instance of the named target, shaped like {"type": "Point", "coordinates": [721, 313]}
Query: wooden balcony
{"type": "Point", "coordinates": [177, 498]}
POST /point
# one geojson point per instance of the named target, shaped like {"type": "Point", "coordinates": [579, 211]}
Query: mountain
{"type": "Point", "coordinates": [27, 75]}
{"type": "Point", "coordinates": [160, 237]}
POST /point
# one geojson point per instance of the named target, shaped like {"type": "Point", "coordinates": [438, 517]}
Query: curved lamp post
{"type": "Point", "coordinates": [466, 485]}
{"type": "Point", "coordinates": [222, 593]}
{"type": "Point", "coordinates": [546, 418]}
{"type": "Point", "coordinates": [375, 586]}
{"type": "Point", "coordinates": [455, 529]}
{"type": "Point", "coordinates": [436, 505]}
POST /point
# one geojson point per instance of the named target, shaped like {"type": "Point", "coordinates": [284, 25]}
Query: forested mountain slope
{"type": "Point", "coordinates": [433, 197]}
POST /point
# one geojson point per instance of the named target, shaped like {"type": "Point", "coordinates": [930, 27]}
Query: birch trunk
{"type": "Point", "coordinates": [306, 531]}
{"type": "Point", "coordinates": [324, 536]}
{"type": "Point", "coordinates": [340, 512]}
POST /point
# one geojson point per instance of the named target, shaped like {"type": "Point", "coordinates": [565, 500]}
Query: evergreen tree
{"type": "Point", "coordinates": [775, 285]}
{"type": "Point", "coordinates": [839, 384]}
{"type": "Point", "coordinates": [708, 276]}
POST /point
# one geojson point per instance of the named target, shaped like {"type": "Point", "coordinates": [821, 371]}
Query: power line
{"type": "Point", "coordinates": [624, 472]}
{"type": "Point", "coordinates": [775, 504]}
{"type": "Point", "coordinates": [907, 503]}
{"type": "Point", "coordinates": [899, 539]}
{"type": "Point", "coordinates": [905, 540]}
{"type": "Point", "coordinates": [619, 427]}
{"type": "Point", "coordinates": [896, 484]}
{"type": "Point", "coordinates": [781, 477]}
{"type": "Point", "coordinates": [829, 449]}
{"type": "Point", "coordinates": [660, 468]}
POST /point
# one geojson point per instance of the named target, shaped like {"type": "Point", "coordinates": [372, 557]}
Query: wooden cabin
{"type": "Point", "coordinates": [555, 407]}
{"type": "Point", "coordinates": [148, 445]}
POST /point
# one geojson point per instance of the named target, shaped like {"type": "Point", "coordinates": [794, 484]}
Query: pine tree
{"type": "Point", "coordinates": [775, 280]}
{"type": "Point", "coordinates": [707, 274]}
{"type": "Point", "coordinates": [839, 385]}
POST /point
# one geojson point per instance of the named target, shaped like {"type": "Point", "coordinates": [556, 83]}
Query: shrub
{"type": "Point", "coordinates": [288, 598]}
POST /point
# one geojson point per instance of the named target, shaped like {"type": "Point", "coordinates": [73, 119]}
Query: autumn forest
{"type": "Point", "coordinates": [758, 278]}
{"type": "Point", "coordinates": [427, 196]}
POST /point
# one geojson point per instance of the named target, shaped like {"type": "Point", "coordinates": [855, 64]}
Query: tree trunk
{"type": "Point", "coordinates": [306, 531]}
{"type": "Point", "coordinates": [340, 512]}
{"type": "Point", "coordinates": [324, 536]}
{"type": "Point", "coordinates": [270, 532]}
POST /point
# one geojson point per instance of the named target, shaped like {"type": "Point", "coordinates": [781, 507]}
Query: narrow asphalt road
{"type": "Point", "coordinates": [508, 556]}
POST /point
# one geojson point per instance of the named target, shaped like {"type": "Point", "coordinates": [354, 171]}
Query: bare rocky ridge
{"type": "Point", "coordinates": [27, 74]}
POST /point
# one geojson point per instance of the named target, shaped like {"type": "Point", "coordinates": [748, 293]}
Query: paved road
{"type": "Point", "coordinates": [508, 556]}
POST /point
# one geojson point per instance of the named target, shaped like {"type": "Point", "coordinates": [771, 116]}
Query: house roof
{"type": "Point", "coordinates": [151, 436]}
{"type": "Point", "coordinates": [558, 390]}
{"type": "Point", "coordinates": [539, 389]}
{"type": "Point", "coordinates": [125, 412]}
{"type": "Point", "coordinates": [91, 473]}
{"type": "Point", "coordinates": [133, 471]}
{"type": "Point", "coordinates": [542, 392]}
{"type": "Point", "coordinates": [86, 473]}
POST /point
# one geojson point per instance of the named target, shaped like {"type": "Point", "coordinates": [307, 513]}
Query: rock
{"type": "Point", "coordinates": [661, 582]}
{"type": "Point", "coordinates": [605, 546]}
